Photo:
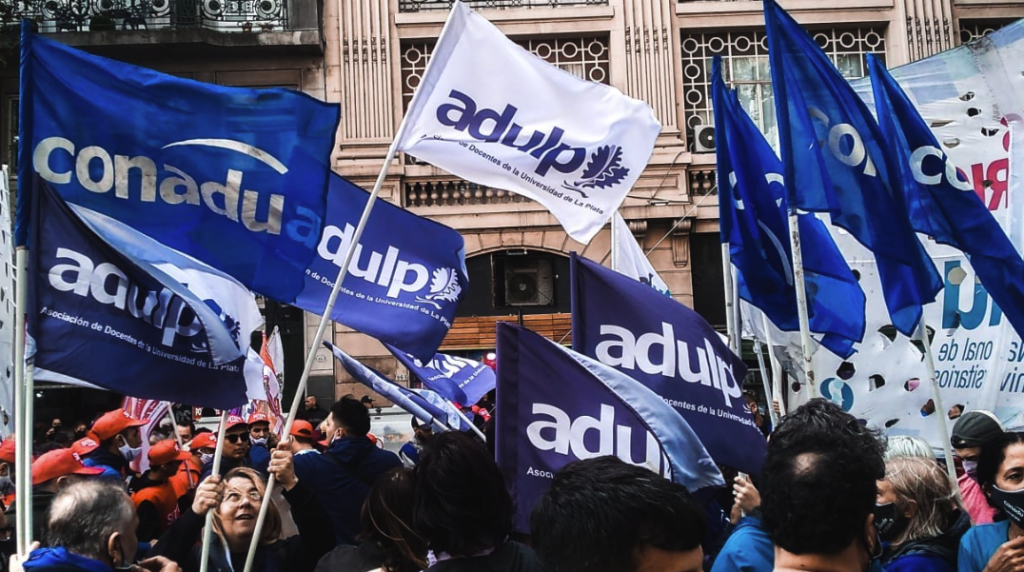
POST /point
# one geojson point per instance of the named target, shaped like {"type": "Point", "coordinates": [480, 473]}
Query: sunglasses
{"type": "Point", "coordinates": [235, 438]}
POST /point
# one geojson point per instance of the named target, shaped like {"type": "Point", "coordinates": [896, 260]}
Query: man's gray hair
{"type": "Point", "coordinates": [84, 515]}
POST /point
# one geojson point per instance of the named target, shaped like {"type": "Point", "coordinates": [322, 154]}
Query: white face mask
{"type": "Point", "coordinates": [129, 453]}
{"type": "Point", "coordinates": [205, 458]}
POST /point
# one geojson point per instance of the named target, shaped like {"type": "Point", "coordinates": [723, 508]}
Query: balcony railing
{"type": "Point", "coordinates": [445, 5]}
{"type": "Point", "coordinates": [53, 16]}
{"type": "Point", "coordinates": [454, 193]}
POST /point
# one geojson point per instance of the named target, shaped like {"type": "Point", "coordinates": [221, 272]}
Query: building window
{"type": "Point", "coordinates": [586, 58]}
{"type": "Point", "coordinates": [971, 30]}
{"type": "Point", "coordinates": [745, 67]}
{"type": "Point", "coordinates": [446, 5]}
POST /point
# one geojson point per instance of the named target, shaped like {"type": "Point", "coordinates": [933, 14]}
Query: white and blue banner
{"type": "Point", "coordinates": [143, 321]}
{"type": "Point", "coordinates": [234, 177]}
{"type": "Point", "coordinates": [457, 379]}
{"type": "Point", "coordinates": [672, 351]}
{"type": "Point", "coordinates": [405, 279]}
{"type": "Point", "coordinates": [591, 411]}
{"type": "Point", "coordinates": [491, 112]}
{"type": "Point", "coordinates": [630, 259]}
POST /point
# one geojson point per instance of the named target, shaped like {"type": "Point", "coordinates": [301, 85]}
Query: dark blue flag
{"type": "Point", "coordinates": [428, 408]}
{"type": "Point", "coordinates": [834, 161]}
{"type": "Point", "coordinates": [940, 199]}
{"type": "Point", "coordinates": [235, 177]}
{"type": "Point", "coordinates": [671, 350]}
{"type": "Point", "coordinates": [754, 221]}
{"type": "Point", "coordinates": [457, 379]}
{"type": "Point", "coordinates": [108, 319]}
{"type": "Point", "coordinates": [556, 406]}
{"type": "Point", "coordinates": [406, 278]}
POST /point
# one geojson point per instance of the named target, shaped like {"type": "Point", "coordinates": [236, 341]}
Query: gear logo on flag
{"type": "Point", "coordinates": [444, 287]}
{"type": "Point", "coordinates": [603, 171]}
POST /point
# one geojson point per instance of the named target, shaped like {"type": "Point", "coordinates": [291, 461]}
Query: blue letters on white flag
{"type": "Point", "coordinates": [406, 277]}
{"type": "Point", "coordinates": [630, 258]}
{"type": "Point", "coordinates": [234, 177]}
{"type": "Point", "coordinates": [670, 349]}
{"type": "Point", "coordinates": [407, 399]}
{"type": "Point", "coordinates": [116, 321]}
{"type": "Point", "coordinates": [833, 161]}
{"type": "Point", "coordinates": [753, 219]}
{"type": "Point", "coordinates": [457, 379]}
{"type": "Point", "coordinates": [942, 202]}
{"type": "Point", "coordinates": [556, 406]}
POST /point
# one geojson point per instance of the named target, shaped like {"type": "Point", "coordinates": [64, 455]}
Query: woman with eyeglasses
{"type": "Point", "coordinates": [235, 501]}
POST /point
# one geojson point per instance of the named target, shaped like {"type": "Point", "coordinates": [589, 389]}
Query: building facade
{"type": "Point", "coordinates": [369, 55]}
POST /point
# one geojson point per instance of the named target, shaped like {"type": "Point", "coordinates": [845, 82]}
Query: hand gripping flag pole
{"type": "Point", "coordinates": [218, 455]}
{"type": "Point", "coordinates": [318, 338]}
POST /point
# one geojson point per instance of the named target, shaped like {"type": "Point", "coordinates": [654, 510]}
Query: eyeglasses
{"type": "Point", "coordinates": [234, 438]}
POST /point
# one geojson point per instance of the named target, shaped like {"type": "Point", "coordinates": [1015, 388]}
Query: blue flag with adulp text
{"type": "Point", "coordinates": [593, 410]}
{"type": "Point", "coordinates": [754, 221]}
{"type": "Point", "coordinates": [108, 319]}
{"type": "Point", "coordinates": [457, 379]}
{"type": "Point", "coordinates": [405, 279]}
{"type": "Point", "coordinates": [834, 161]}
{"type": "Point", "coordinates": [941, 200]}
{"type": "Point", "coordinates": [234, 177]}
{"type": "Point", "coordinates": [671, 350]}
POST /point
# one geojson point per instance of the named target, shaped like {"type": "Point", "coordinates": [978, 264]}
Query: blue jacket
{"type": "Point", "coordinates": [341, 479]}
{"type": "Point", "coordinates": [979, 544]}
{"type": "Point", "coordinates": [749, 549]}
{"type": "Point", "coordinates": [935, 554]}
{"type": "Point", "coordinates": [113, 464]}
{"type": "Point", "coordinates": [60, 560]}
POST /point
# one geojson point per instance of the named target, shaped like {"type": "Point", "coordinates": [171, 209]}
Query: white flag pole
{"type": "Point", "coordinates": [23, 434]}
{"type": "Point", "coordinates": [940, 410]}
{"type": "Point", "coordinates": [737, 321]}
{"type": "Point", "coordinates": [764, 381]}
{"type": "Point", "coordinates": [615, 241]}
{"type": "Point", "coordinates": [777, 372]}
{"type": "Point", "coordinates": [470, 423]}
{"type": "Point", "coordinates": [730, 310]}
{"type": "Point", "coordinates": [177, 437]}
{"type": "Point", "coordinates": [326, 317]}
{"type": "Point", "coordinates": [218, 455]}
{"type": "Point", "coordinates": [806, 344]}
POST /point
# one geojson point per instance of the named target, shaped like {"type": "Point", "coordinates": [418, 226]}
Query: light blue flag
{"type": "Point", "coordinates": [235, 177]}
{"type": "Point", "coordinates": [457, 379]}
{"type": "Point", "coordinates": [834, 161]}
{"type": "Point", "coordinates": [754, 222]}
{"type": "Point", "coordinates": [941, 201]}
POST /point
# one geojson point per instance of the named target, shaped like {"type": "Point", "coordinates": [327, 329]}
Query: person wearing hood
{"type": "Point", "coordinates": [235, 501]}
{"type": "Point", "coordinates": [998, 547]}
{"type": "Point", "coordinates": [91, 528]}
{"type": "Point", "coordinates": [112, 443]}
{"type": "Point", "coordinates": [155, 496]}
{"type": "Point", "coordinates": [918, 517]}
{"type": "Point", "coordinates": [971, 431]}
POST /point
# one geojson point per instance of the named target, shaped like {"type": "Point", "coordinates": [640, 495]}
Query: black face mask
{"type": "Point", "coordinates": [1012, 503]}
{"type": "Point", "coordinates": [889, 522]}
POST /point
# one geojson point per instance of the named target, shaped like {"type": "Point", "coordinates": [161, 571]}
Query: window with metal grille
{"type": "Point", "coordinates": [971, 30]}
{"type": "Point", "coordinates": [745, 67]}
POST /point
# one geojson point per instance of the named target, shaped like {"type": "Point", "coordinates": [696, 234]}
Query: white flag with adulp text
{"type": "Point", "coordinates": [630, 258]}
{"type": "Point", "coordinates": [491, 112]}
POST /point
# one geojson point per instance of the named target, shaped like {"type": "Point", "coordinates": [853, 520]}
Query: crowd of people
{"type": "Point", "coordinates": [833, 496]}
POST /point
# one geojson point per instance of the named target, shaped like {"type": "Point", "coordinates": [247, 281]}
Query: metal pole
{"type": "Point", "coordinates": [806, 344]}
{"type": "Point", "coordinates": [615, 241]}
{"type": "Point", "coordinates": [204, 561]}
{"type": "Point", "coordinates": [777, 372]}
{"type": "Point", "coordinates": [22, 452]}
{"type": "Point", "coordinates": [940, 411]}
{"type": "Point", "coordinates": [730, 310]}
{"type": "Point", "coordinates": [764, 381]}
{"type": "Point", "coordinates": [177, 437]}
{"type": "Point", "coordinates": [27, 469]}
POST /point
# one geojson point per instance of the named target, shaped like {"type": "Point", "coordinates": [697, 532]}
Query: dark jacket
{"type": "Point", "coordinates": [60, 560]}
{"type": "Point", "coordinates": [315, 416]}
{"type": "Point", "coordinates": [226, 465]}
{"type": "Point", "coordinates": [298, 553]}
{"type": "Point", "coordinates": [509, 557]}
{"type": "Point", "coordinates": [347, 558]}
{"type": "Point", "coordinates": [936, 554]}
{"type": "Point", "coordinates": [342, 477]}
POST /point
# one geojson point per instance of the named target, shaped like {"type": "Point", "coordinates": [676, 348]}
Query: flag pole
{"type": "Point", "coordinates": [940, 410]}
{"type": "Point", "coordinates": [614, 241]}
{"type": "Point", "coordinates": [730, 311]}
{"type": "Point", "coordinates": [470, 423]}
{"type": "Point", "coordinates": [177, 437]}
{"type": "Point", "coordinates": [806, 344]}
{"type": "Point", "coordinates": [27, 462]}
{"type": "Point", "coordinates": [218, 455]}
{"type": "Point", "coordinates": [776, 367]}
{"type": "Point", "coordinates": [737, 318]}
{"type": "Point", "coordinates": [764, 382]}
{"type": "Point", "coordinates": [22, 451]}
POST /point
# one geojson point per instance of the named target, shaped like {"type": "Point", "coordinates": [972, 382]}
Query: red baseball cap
{"type": "Point", "coordinates": [203, 441]}
{"type": "Point", "coordinates": [58, 463]}
{"type": "Point", "coordinates": [235, 421]}
{"type": "Point", "coordinates": [112, 423]}
{"type": "Point", "coordinates": [7, 450]}
{"type": "Point", "coordinates": [85, 445]}
{"type": "Point", "coordinates": [299, 429]}
{"type": "Point", "coordinates": [258, 418]}
{"type": "Point", "coordinates": [166, 451]}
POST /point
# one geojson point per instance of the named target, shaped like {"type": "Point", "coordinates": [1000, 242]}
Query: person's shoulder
{"type": "Point", "coordinates": [984, 537]}
{"type": "Point", "coordinates": [919, 563]}
{"type": "Point", "coordinates": [383, 457]}
{"type": "Point", "coordinates": [524, 559]}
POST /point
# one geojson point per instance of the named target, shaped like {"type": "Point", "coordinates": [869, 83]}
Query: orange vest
{"type": "Point", "coordinates": [164, 499]}
{"type": "Point", "coordinates": [180, 479]}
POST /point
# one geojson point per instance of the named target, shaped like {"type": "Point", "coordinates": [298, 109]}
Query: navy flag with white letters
{"type": "Point", "coordinates": [110, 319]}
{"type": "Point", "coordinates": [942, 202]}
{"type": "Point", "coordinates": [670, 349]}
{"type": "Point", "coordinates": [591, 411]}
{"type": "Point", "coordinates": [235, 177]}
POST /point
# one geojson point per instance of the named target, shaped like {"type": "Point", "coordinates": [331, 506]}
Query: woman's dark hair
{"type": "Point", "coordinates": [387, 521]}
{"type": "Point", "coordinates": [462, 506]}
{"type": "Point", "coordinates": [993, 453]}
